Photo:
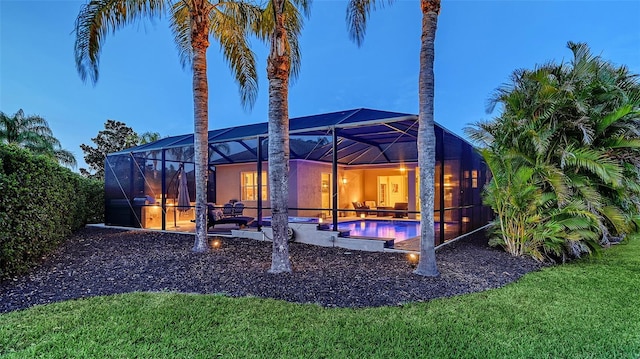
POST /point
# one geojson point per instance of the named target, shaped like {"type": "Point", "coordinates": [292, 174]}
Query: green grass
{"type": "Point", "coordinates": [588, 309]}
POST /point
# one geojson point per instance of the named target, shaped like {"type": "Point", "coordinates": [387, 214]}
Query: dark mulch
{"type": "Point", "coordinates": [98, 261]}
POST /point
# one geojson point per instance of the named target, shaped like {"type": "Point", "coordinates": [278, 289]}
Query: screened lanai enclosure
{"type": "Point", "coordinates": [355, 169]}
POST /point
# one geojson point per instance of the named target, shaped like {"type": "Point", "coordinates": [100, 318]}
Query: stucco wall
{"type": "Point", "coordinates": [228, 186]}
{"type": "Point", "coordinates": [371, 183]}
{"type": "Point", "coordinates": [305, 181]}
{"type": "Point", "coordinates": [305, 186]}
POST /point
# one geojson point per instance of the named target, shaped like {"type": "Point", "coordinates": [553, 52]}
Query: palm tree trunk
{"type": "Point", "coordinates": [427, 139]}
{"type": "Point", "coordinates": [278, 66]}
{"type": "Point", "coordinates": [200, 43]}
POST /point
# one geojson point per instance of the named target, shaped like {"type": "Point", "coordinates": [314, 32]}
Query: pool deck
{"type": "Point", "coordinates": [368, 243]}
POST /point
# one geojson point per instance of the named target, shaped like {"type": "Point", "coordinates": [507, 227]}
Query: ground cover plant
{"type": "Point", "coordinates": [586, 309]}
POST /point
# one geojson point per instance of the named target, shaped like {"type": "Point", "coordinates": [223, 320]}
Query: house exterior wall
{"type": "Point", "coordinates": [228, 186]}
{"type": "Point", "coordinates": [304, 186]}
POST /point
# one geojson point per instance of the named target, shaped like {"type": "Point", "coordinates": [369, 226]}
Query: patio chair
{"type": "Point", "coordinates": [238, 208]}
{"type": "Point", "coordinates": [214, 217]}
{"type": "Point", "coordinates": [227, 210]}
{"type": "Point", "coordinates": [372, 206]}
{"type": "Point", "coordinates": [360, 208]}
{"type": "Point", "coordinates": [401, 206]}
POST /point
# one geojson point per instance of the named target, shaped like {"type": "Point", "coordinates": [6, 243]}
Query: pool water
{"type": "Point", "coordinates": [267, 220]}
{"type": "Point", "coordinates": [400, 230]}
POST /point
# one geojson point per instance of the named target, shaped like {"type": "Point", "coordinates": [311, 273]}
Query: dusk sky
{"type": "Point", "coordinates": [478, 45]}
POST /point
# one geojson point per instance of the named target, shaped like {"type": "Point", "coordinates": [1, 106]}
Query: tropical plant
{"type": "Point", "coordinates": [33, 133]}
{"type": "Point", "coordinates": [575, 127]}
{"type": "Point", "coordinates": [357, 13]}
{"type": "Point", "coordinates": [280, 26]}
{"type": "Point", "coordinates": [148, 137]}
{"type": "Point", "coordinates": [192, 22]}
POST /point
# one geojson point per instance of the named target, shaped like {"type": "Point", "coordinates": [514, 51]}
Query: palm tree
{"type": "Point", "coordinates": [357, 13]}
{"type": "Point", "coordinates": [148, 137]}
{"type": "Point", "coordinates": [33, 133]}
{"type": "Point", "coordinates": [192, 21]}
{"type": "Point", "coordinates": [575, 127]}
{"type": "Point", "coordinates": [281, 26]}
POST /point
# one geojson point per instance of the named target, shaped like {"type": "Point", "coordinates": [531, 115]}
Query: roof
{"type": "Point", "coordinates": [365, 136]}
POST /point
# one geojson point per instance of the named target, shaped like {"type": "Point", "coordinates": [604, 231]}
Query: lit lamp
{"type": "Point", "coordinates": [413, 259]}
{"type": "Point", "coordinates": [321, 225]}
{"type": "Point", "coordinates": [344, 180]}
{"type": "Point", "coordinates": [362, 215]}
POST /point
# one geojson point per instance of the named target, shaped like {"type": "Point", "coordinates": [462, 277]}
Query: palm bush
{"type": "Point", "coordinates": [33, 133]}
{"type": "Point", "coordinates": [564, 152]}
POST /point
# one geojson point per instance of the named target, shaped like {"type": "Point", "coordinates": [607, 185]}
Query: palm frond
{"type": "Point", "coordinates": [596, 162]}
{"type": "Point", "coordinates": [480, 133]}
{"type": "Point", "coordinates": [614, 116]}
{"type": "Point", "coordinates": [181, 29]}
{"type": "Point", "coordinates": [97, 19]}
{"type": "Point", "coordinates": [616, 217]}
{"type": "Point", "coordinates": [358, 12]}
{"type": "Point", "coordinates": [619, 142]}
{"type": "Point", "coordinates": [65, 157]}
{"type": "Point", "coordinates": [230, 23]}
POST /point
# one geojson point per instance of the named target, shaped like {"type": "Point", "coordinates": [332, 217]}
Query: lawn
{"type": "Point", "coordinates": [587, 309]}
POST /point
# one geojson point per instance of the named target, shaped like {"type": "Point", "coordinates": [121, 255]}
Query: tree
{"type": "Point", "coordinates": [33, 133]}
{"type": "Point", "coordinates": [574, 128]}
{"type": "Point", "coordinates": [192, 21]}
{"type": "Point", "coordinates": [148, 137]}
{"type": "Point", "coordinates": [281, 25]}
{"type": "Point", "coordinates": [357, 13]}
{"type": "Point", "coordinates": [115, 137]}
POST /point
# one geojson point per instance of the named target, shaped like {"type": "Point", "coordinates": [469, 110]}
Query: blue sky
{"type": "Point", "coordinates": [478, 45]}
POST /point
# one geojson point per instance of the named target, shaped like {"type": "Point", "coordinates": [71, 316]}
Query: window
{"type": "Point", "coordinates": [249, 184]}
{"type": "Point", "coordinates": [474, 179]}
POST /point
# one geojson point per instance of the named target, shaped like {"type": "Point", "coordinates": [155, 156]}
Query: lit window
{"type": "Point", "coordinates": [249, 184]}
{"type": "Point", "coordinates": [474, 179]}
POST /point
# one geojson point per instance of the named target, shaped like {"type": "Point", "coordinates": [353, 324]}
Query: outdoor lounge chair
{"type": "Point", "coordinates": [401, 206]}
{"type": "Point", "coordinates": [360, 208]}
{"type": "Point", "coordinates": [238, 208]}
{"type": "Point", "coordinates": [227, 210]}
{"type": "Point", "coordinates": [213, 218]}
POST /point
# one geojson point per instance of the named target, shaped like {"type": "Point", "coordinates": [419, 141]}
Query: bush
{"type": "Point", "coordinates": [41, 204]}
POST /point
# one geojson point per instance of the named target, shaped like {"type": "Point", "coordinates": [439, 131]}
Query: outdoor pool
{"type": "Point", "coordinates": [400, 230]}
{"type": "Point", "coordinates": [266, 221]}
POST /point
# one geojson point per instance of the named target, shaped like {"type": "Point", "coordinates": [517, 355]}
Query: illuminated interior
{"type": "Point", "coordinates": [338, 160]}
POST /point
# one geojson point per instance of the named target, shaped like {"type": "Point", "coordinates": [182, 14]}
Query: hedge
{"type": "Point", "coordinates": [41, 204]}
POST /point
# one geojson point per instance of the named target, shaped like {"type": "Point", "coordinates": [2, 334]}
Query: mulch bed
{"type": "Point", "coordinates": [101, 261]}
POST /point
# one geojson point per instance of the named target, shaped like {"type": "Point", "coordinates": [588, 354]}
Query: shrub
{"type": "Point", "coordinates": [41, 203]}
{"type": "Point", "coordinates": [573, 128]}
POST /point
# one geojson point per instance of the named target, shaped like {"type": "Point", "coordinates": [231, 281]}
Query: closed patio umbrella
{"type": "Point", "coordinates": [184, 202]}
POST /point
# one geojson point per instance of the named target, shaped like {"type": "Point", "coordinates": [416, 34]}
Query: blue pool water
{"type": "Point", "coordinates": [267, 220]}
{"type": "Point", "coordinates": [400, 230]}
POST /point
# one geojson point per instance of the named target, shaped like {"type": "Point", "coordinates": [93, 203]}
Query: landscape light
{"type": "Point", "coordinates": [413, 259]}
